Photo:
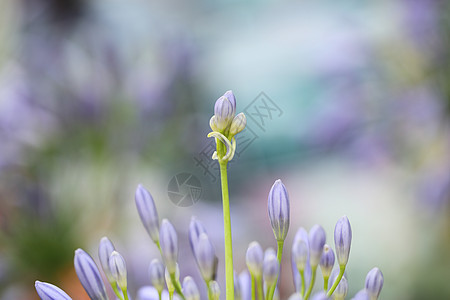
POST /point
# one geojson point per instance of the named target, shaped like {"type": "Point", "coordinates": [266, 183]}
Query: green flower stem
{"type": "Point", "coordinates": [279, 254]}
{"type": "Point", "coordinates": [253, 288]}
{"type": "Point", "coordinates": [177, 285]}
{"type": "Point", "coordinates": [227, 226]}
{"type": "Point", "coordinates": [125, 294]}
{"type": "Point", "coordinates": [116, 290]}
{"type": "Point", "coordinates": [160, 295]}
{"type": "Point", "coordinates": [260, 288]}
{"type": "Point", "coordinates": [336, 282]}
{"type": "Point", "coordinates": [170, 295]}
{"type": "Point", "coordinates": [311, 284]}
{"type": "Point", "coordinates": [325, 283]}
{"type": "Point", "coordinates": [209, 289]}
{"type": "Point", "coordinates": [302, 275]}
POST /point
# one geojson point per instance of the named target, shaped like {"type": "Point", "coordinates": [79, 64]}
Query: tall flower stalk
{"type": "Point", "coordinates": [225, 126]}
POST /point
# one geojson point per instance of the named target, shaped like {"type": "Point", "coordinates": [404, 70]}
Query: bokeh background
{"type": "Point", "coordinates": [99, 96]}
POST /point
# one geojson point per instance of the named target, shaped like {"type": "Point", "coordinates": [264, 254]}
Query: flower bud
{"type": "Point", "coordinates": [147, 211]}
{"type": "Point", "coordinates": [118, 269]}
{"type": "Point", "coordinates": [327, 261]}
{"type": "Point", "coordinates": [278, 206]}
{"type": "Point", "coordinates": [214, 290]}
{"type": "Point", "coordinates": [374, 283]}
{"type": "Point", "coordinates": [105, 249]}
{"type": "Point", "coordinates": [300, 253]}
{"type": "Point", "coordinates": [342, 240]}
{"type": "Point", "coordinates": [156, 272]}
{"type": "Point", "coordinates": [195, 229]}
{"type": "Point", "coordinates": [270, 269]}
{"type": "Point", "coordinates": [254, 259]}
{"type": "Point", "coordinates": [245, 282]}
{"type": "Point", "coordinates": [169, 283]}
{"type": "Point", "coordinates": [341, 290]}
{"type": "Point", "coordinates": [230, 96]}
{"type": "Point", "coordinates": [224, 111]}
{"type": "Point", "coordinates": [206, 259]}
{"type": "Point", "coordinates": [169, 245]}
{"type": "Point", "coordinates": [237, 287]}
{"type": "Point", "coordinates": [316, 242]}
{"type": "Point", "coordinates": [320, 296]}
{"type": "Point", "coordinates": [89, 275]}
{"type": "Point", "coordinates": [190, 289]}
{"type": "Point", "coordinates": [295, 296]}
{"type": "Point", "coordinates": [238, 124]}
{"type": "Point", "coordinates": [361, 295]}
{"type": "Point", "coordinates": [47, 291]}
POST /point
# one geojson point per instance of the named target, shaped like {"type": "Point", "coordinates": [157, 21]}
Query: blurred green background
{"type": "Point", "coordinates": [99, 96]}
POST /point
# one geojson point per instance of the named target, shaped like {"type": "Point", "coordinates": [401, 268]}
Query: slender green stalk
{"type": "Point", "coordinates": [336, 282]}
{"type": "Point", "coordinates": [116, 291]}
{"type": "Point", "coordinates": [170, 295]}
{"type": "Point", "coordinates": [325, 284]}
{"type": "Point", "coordinates": [253, 288]}
{"type": "Point", "coordinates": [311, 284]}
{"type": "Point", "coordinates": [209, 290]}
{"type": "Point", "coordinates": [125, 294]}
{"type": "Point", "coordinates": [260, 288]}
{"type": "Point", "coordinates": [227, 229]}
{"type": "Point", "coordinates": [160, 295]}
{"type": "Point", "coordinates": [177, 286]}
{"type": "Point", "coordinates": [302, 275]}
{"type": "Point", "coordinates": [271, 290]}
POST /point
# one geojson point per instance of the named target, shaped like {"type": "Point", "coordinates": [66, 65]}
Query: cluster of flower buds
{"type": "Point", "coordinates": [308, 252]}
{"type": "Point", "coordinates": [113, 265]}
{"type": "Point", "coordinates": [225, 125]}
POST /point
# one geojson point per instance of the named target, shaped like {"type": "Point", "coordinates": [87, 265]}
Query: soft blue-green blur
{"type": "Point", "coordinates": [347, 102]}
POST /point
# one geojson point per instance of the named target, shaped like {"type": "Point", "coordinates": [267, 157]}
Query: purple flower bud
{"type": "Point", "coordinates": [361, 295]}
{"type": "Point", "coordinates": [105, 250]}
{"type": "Point", "coordinates": [148, 293]}
{"type": "Point", "coordinates": [300, 253]}
{"type": "Point", "coordinates": [118, 269]}
{"type": "Point", "coordinates": [278, 206]}
{"type": "Point", "coordinates": [237, 287]}
{"type": "Point", "coordinates": [269, 251]}
{"type": "Point", "coordinates": [254, 259]}
{"type": "Point", "coordinates": [169, 245]}
{"type": "Point", "coordinates": [230, 96]}
{"type": "Point", "coordinates": [342, 289]}
{"type": "Point", "coordinates": [195, 229]}
{"type": "Point", "coordinates": [206, 258]}
{"type": "Point", "coordinates": [147, 211]}
{"type": "Point", "coordinates": [214, 289]}
{"type": "Point", "coordinates": [224, 110]}
{"type": "Point", "coordinates": [320, 296]}
{"type": "Point", "coordinates": [246, 285]}
{"type": "Point", "coordinates": [327, 261]}
{"type": "Point", "coordinates": [190, 289]}
{"type": "Point", "coordinates": [238, 124]}
{"type": "Point", "coordinates": [317, 239]}
{"type": "Point", "coordinates": [342, 240]}
{"type": "Point", "coordinates": [295, 296]}
{"type": "Point", "coordinates": [89, 275]}
{"type": "Point", "coordinates": [47, 291]}
{"type": "Point", "coordinates": [374, 282]}
{"type": "Point", "coordinates": [156, 272]}
{"type": "Point", "coordinates": [270, 269]}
